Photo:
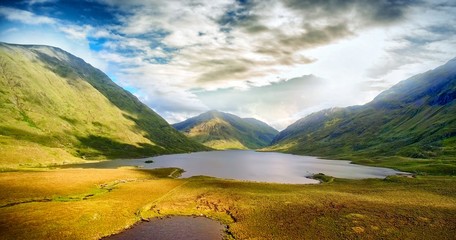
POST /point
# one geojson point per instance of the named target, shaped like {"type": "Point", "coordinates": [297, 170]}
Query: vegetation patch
{"type": "Point", "coordinates": [323, 178]}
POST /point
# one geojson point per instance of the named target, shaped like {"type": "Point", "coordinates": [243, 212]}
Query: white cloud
{"type": "Point", "coordinates": [76, 32]}
{"type": "Point", "coordinates": [23, 16]}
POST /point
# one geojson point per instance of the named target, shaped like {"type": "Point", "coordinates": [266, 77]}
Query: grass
{"type": "Point", "coordinates": [323, 178]}
{"type": "Point", "coordinates": [417, 166]}
{"type": "Point", "coordinates": [31, 155]}
{"type": "Point", "coordinates": [91, 203]}
{"type": "Point", "coordinates": [395, 208]}
{"type": "Point", "coordinates": [101, 214]}
{"type": "Point", "coordinates": [224, 144]}
{"type": "Point", "coordinates": [412, 165]}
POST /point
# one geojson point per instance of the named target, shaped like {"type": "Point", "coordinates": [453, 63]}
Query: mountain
{"type": "Point", "coordinates": [227, 131]}
{"type": "Point", "coordinates": [54, 107]}
{"type": "Point", "coordinates": [415, 119]}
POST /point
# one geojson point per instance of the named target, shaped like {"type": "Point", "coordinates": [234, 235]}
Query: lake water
{"type": "Point", "coordinates": [176, 228]}
{"type": "Point", "coordinates": [252, 166]}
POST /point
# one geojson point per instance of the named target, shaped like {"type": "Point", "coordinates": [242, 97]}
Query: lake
{"type": "Point", "coordinates": [251, 166]}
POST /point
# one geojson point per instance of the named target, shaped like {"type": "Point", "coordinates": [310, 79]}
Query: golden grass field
{"type": "Point", "coordinates": [92, 203]}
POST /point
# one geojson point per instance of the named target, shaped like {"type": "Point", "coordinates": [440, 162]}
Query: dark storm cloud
{"type": "Point", "coordinates": [241, 69]}
{"type": "Point", "coordinates": [225, 69]}
{"type": "Point", "coordinates": [314, 36]}
{"type": "Point", "coordinates": [372, 11]}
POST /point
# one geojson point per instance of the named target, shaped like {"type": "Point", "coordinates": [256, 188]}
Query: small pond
{"type": "Point", "coordinates": [175, 228]}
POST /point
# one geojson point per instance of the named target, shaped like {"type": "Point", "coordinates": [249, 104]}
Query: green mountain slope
{"type": "Point", "coordinates": [54, 107]}
{"type": "Point", "coordinates": [226, 131]}
{"type": "Point", "coordinates": [415, 120]}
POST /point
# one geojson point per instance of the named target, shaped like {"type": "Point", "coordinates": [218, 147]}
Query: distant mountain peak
{"type": "Point", "coordinates": [227, 131]}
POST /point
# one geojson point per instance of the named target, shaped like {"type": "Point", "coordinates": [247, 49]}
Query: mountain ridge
{"type": "Point", "coordinates": [413, 121]}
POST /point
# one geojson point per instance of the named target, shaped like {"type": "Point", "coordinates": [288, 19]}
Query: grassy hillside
{"type": "Point", "coordinates": [56, 108]}
{"type": "Point", "coordinates": [226, 131]}
{"type": "Point", "coordinates": [411, 126]}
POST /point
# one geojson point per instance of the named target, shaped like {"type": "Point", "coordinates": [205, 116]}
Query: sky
{"type": "Point", "coordinates": [274, 60]}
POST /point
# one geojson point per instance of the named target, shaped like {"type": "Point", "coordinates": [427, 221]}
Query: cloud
{"type": "Point", "coordinates": [315, 36]}
{"type": "Point", "coordinates": [221, 44]}
{"type": "Point", "coordinates": [23, 16]}
{"type": "Point", "coordinates": [374, 85]}
{"type": "Point", "coordinates": [361, 11]}
{"type": "Point", "coordinates": [76, 32]}
{"type": "Point", "coordinates": [213, 44]}
{"type": "Point", "coordinates": [423, 44]}
{"type": "Point", "coordinates": [248, 57]}
{"type": "Point", "coordinates": [173, 103]}
{"type": "Point", "coordinates": [279, 103]}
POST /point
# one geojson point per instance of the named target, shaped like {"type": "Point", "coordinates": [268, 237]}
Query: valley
{"type": "Point", "coordinates": [58, 111]}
